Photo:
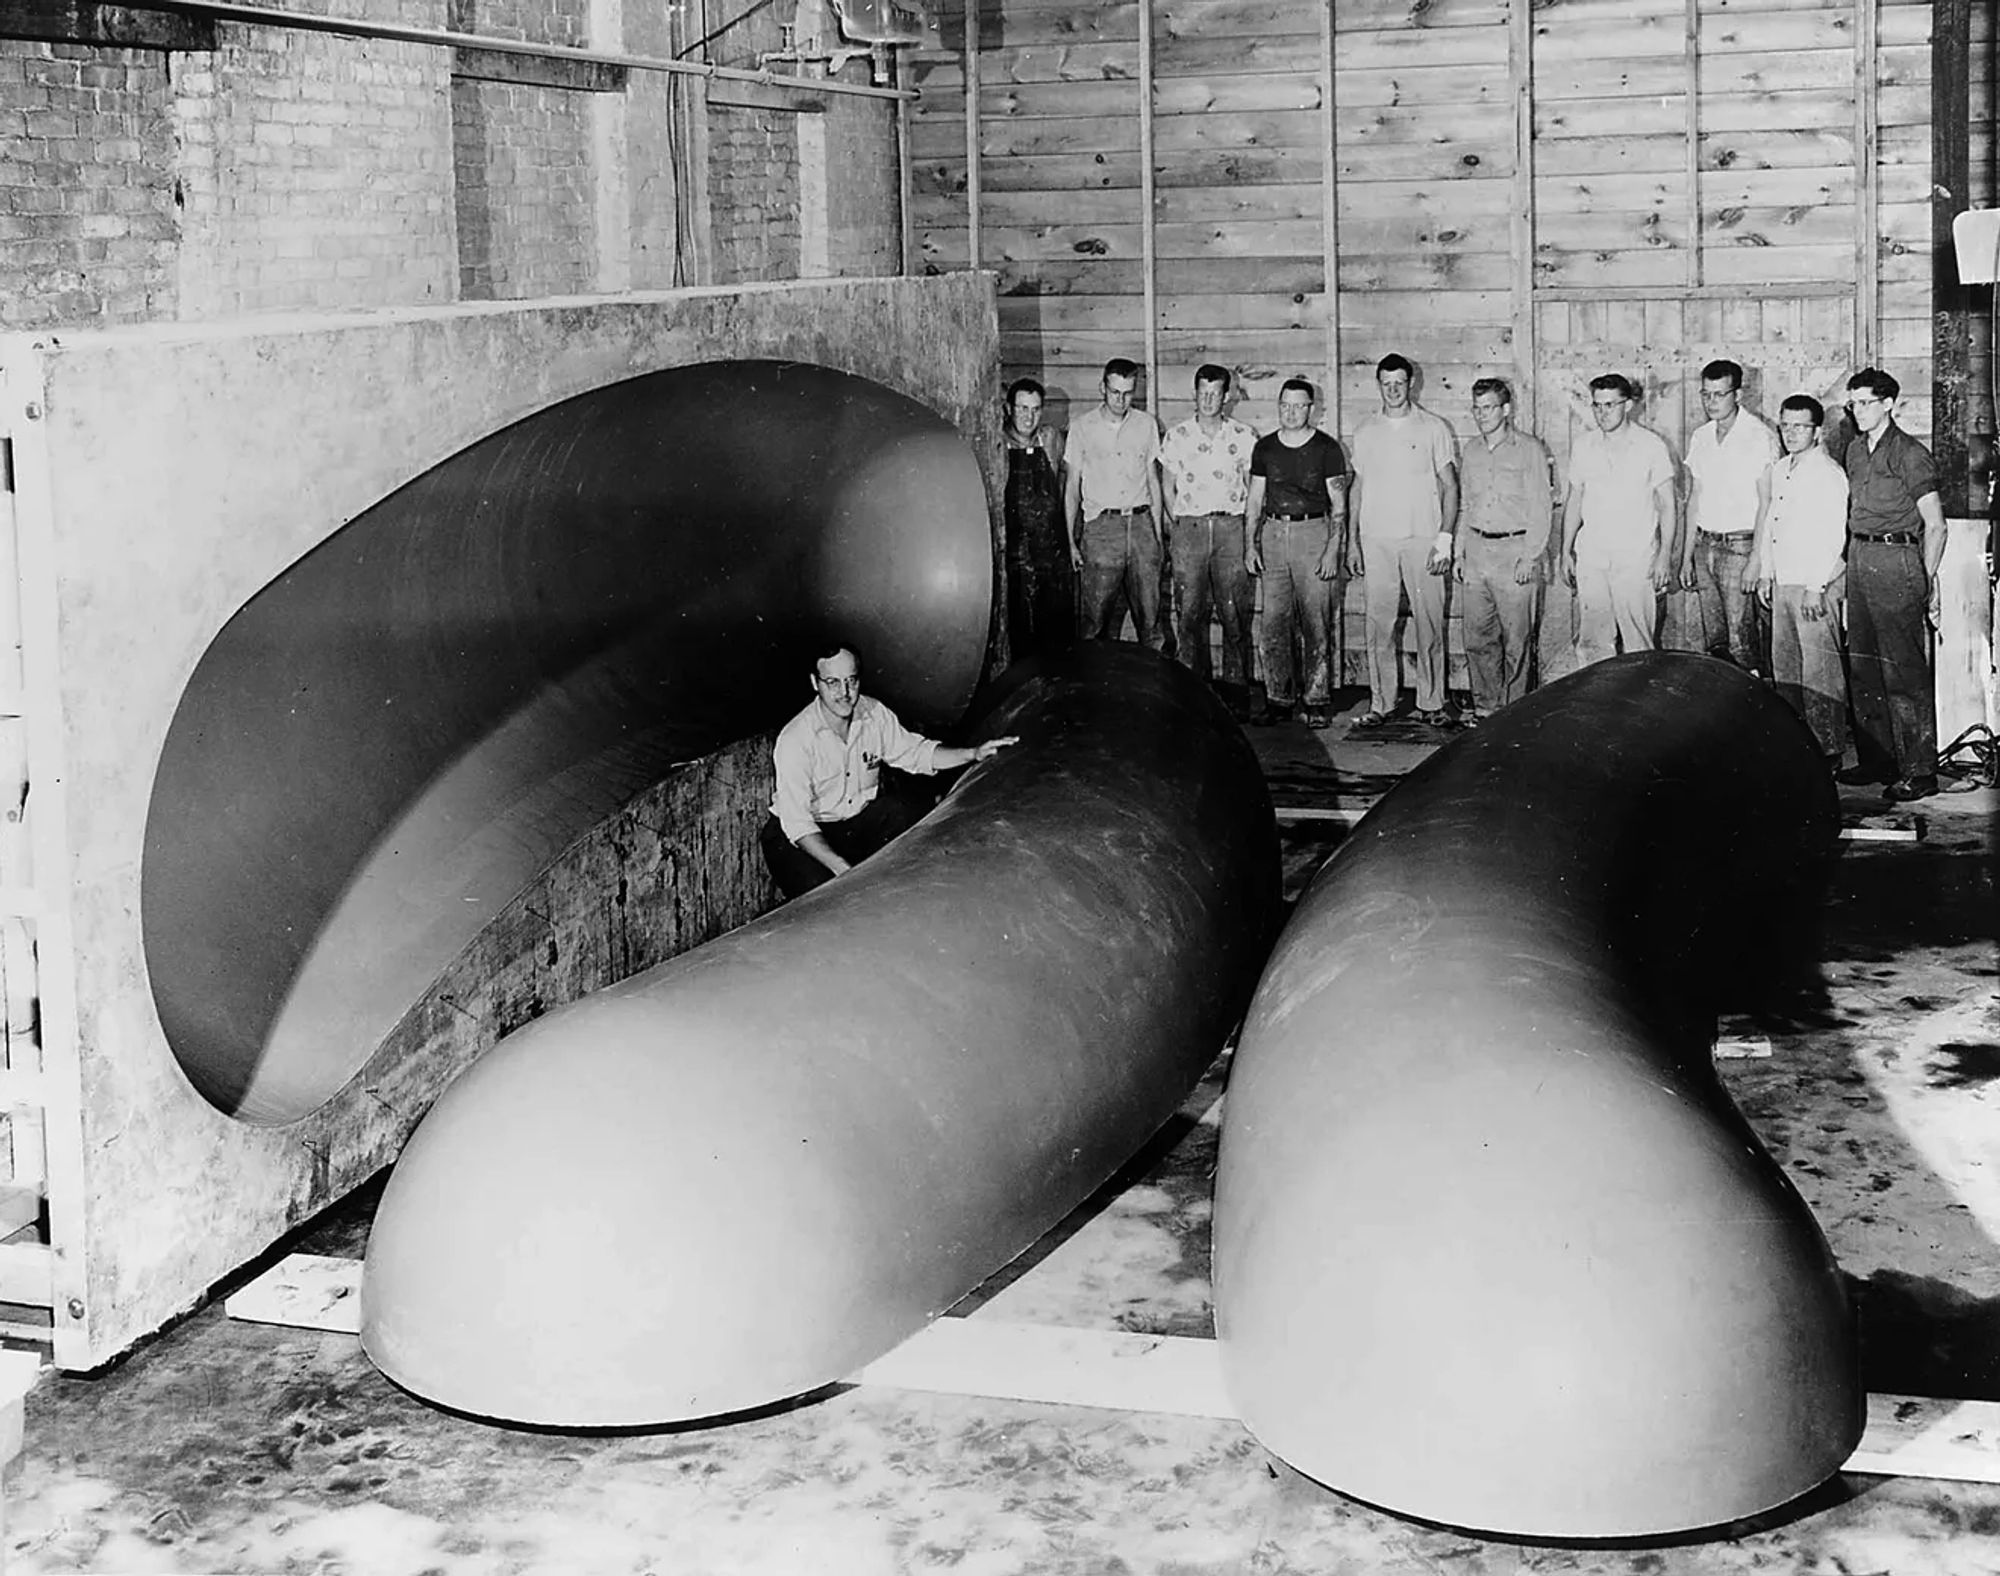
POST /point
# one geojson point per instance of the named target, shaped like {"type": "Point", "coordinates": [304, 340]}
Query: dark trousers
{"type": "Point", "coordinates": [900, 802]}
{"type": "Point", "coordinates": [1889, 682]}
{"type": "Point", "coordinates": [1209, 574]}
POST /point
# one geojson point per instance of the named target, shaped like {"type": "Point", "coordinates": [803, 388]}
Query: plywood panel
{"type": "Point", "coordinates": [1192, 276]}
{"type": "Point", "coordinates": [1775, 150]}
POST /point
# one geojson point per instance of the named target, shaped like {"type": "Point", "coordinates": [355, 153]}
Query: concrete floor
{"type": "Point", "coordinates": [233, 1447]}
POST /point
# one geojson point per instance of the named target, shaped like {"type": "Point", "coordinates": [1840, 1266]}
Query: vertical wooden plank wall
{"type": "Point", "coordinates": [1544, 192]}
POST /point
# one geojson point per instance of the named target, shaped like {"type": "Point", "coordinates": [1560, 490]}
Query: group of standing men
{"type": "Point", "coordinates": [1226, 508]}
{"type": "Point", "coordinates": [1819, 577]}
{"type": "Point", "coordinates": [1818, 574]}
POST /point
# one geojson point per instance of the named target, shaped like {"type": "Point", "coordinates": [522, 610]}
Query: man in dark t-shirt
{"type": "Point", "coordinates": [1895, 525]}
{"type": "Point", "coordinates": [1297, 527]}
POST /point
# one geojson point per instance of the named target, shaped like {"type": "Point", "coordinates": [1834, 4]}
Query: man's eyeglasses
{"type": "Point", "coordinates": [1865, 399]}
{"type": "Point", "coordinates": [1610, 404]}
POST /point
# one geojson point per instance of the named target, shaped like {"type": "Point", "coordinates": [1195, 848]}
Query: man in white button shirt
{"type": "Point", "coordinates": [1727, 457]}
{"type": "Point", "coordinates": [1802, 574]}
{"type": "Point", "coordinates": [834, 805]}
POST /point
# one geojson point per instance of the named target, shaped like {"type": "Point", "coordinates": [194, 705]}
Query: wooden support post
{"type": "Point", "coordinates": [1330, 239]}
{"type": "Point", "coordinates": [1867, 249]}
{"type": "Point", "coordinates": [1951, 301]}
{"type": "Point", "coordinates": [1149, 218]}
{"type": "Point", "coordinates": [971, 133]}
{"type": "Point", "coordinates": [906, 225]}
{"type": "Point", "coordinates": [1692, 49]}
{"type": "Point", "coordinates": [1521, 74]}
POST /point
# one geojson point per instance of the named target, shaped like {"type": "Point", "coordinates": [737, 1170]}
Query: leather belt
{"type": "Point", "coordinates": [1497, 536]}
{"type": "Point", "coordinates": [1122, 514]}
{"type": "Point", "coordinates": [1893, 538]}
{"type": "Point", "coordinates": [1727, 536]}
{"type": "Point", "coordinates": [1293, 518]}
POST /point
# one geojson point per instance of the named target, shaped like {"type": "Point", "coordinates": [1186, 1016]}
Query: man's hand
{"type": "Point", "coordinates": [1934, 607]}
{"type": "Point", "coordinates": [992, 747]}
{"type": "Point", "coordinates": [1357, 562]}
{"type": "Point", "coordinates": [1685, 580]}
{"type": "Point", "coordinates": [1329, 562]}
{"type": "Point", "coordinates": [1566, 567]}
{"type": "Point", "coordinates": [1253, 560]}
{"type": "Point", "coordinates": [1526, 567]}
{"type": "Point", "coordinates": [1075, 553]}
{"type": "Point", "coordinates": [1439, 562]}
{"type": "Point", "coordinates": [1663, 574]}
{"type": "Point", "coordinates": [1763, 589]}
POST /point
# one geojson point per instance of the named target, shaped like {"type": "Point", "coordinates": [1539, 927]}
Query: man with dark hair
{"type": "Point", "coordinates": [1205, 480]}
{"type": "Point", "coordinates": [1298, 514]}
{"type": "Point", "coordinates": [1896, 533]}
{"type": "Point", "coordinates": [1507, 498]}
{"type": "Point", "coordinates": [837, 802]}
{"type": "Point", "coordinates": [1041, 583]}
{"type": "Point", "coordinates": [1405, 507]}
{"type": "Point", "coordinates": [1113, 506]}
{"type": "Point", "coordinates": [1620, 532]}
{"type": "Point", "coordinates": [1727, 457]}
{"type": "Point", "coordinates": [1801, 578]}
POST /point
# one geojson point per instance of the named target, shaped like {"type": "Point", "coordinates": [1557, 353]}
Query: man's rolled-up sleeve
{"type": "Point", "coordinates": [904, 750]}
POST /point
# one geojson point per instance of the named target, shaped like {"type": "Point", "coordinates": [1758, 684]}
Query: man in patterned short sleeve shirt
{"type": "Point", "coordinates": [1205, 472]}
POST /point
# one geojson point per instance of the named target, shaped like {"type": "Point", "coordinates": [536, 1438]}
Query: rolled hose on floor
{"type": "Point", "coordinates": [1493, 1247]}
{"type": "Point", "coordinates": [749, 1171]}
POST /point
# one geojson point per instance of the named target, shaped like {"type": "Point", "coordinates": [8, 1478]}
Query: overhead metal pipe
{"type": "Point", "coordinates": [760, 1165]}
{"type": "Point", "coordinates": [1492, 1246]}
{"type": "Point", "coordinates": [394, 32]}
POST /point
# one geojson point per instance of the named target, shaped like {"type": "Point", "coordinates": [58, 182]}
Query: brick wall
{"type": "Point", "coordinates": [87, 215]}
{"type": "Point", "coordinates": [524, 189]}
{"type": "Point", "coordinates": [287, 170]}
{"type": "Point", "coordinates": [864, 193]}
{"type": "Point", "coordinates": [753, 194]}
{"type": "Point", "coordinates": [753, 162]}
{"type": "Point", "coordinates": [315, 168]}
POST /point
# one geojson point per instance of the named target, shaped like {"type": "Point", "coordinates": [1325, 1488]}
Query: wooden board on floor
{"type": "Point", "coordinates": [1907, 1436]}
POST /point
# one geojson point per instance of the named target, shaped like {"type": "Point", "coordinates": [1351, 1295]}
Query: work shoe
{"type": "Point", "coordinates": [1908, 788]}
{"type": "Point", "coordinates": [1316, 717]}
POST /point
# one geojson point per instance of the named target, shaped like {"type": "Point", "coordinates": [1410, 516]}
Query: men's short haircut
{"type": "Point", "coordinates": [1873, 380]}
{"type": "Point", "coordinates": [1716, 371]}
{"type": "Point", "coordinates": [1026, 386]}
{"type": "Point", "coordinates": [1395, 363]}
{"type": "Point", "coordinates": [1806, 403]}
{"type": "Point", "coordinates": [1300, 385]}
{"type": "Point", "coordinates": [1616, 383]}
{"type": "Point", "coordinates": [1209, 372]}
{"type": "Point", "coordinates": [1119, 367]}
{"type": "Point", "coordinates": [828, 649]}
{"type": "Point", "coordinates": [1493, 386]}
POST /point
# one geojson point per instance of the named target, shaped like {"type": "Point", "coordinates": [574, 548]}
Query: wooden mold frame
{"type": "Point", "coordinates": [160, 477]}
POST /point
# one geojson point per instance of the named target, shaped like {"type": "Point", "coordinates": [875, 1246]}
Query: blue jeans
{"type": "Point", "coordinates": [1120, 551]}
{"type": "Point", "coordinates": [1209, 572]}
{"type": "Point", "coordinates": [1731, 627]}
